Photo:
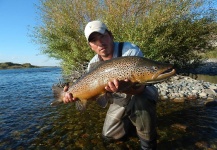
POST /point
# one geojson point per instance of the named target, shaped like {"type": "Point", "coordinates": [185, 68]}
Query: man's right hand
{"type": "Point", "coordinates": [68, 97]}
{"type": "Point", "coordinates": [113, 86]}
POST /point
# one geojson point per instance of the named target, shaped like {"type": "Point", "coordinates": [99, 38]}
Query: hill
{"type": "Point", "coordinates": [10, 65]}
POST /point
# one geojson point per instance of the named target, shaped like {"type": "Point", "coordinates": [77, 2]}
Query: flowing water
{"type": "Point", "coordinates": [27, 121]}
{"type": "Point", "coordinates": [208, 78]}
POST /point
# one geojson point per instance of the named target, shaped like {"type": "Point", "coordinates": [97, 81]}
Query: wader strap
{"type": "Point", "coordinates": [120, 47]}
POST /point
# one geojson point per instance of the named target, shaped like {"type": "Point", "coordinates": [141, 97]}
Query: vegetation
{"type": "Point", "coordinates": [170, 31]}
{"type": "Point", "coordinates": [10, 65]}
{"type": "Point", "coordinates": [210, 54]}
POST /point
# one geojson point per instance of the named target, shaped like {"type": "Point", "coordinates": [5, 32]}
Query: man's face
{"type": "Point", "coordinates": [102, 44]}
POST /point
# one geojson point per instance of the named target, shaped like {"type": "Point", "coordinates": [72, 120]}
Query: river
{"type": "Point", "coordinates": [27, 121]}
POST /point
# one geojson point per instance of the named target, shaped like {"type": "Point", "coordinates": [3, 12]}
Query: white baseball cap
{"type": "Point", "coordinates": [94, 26]}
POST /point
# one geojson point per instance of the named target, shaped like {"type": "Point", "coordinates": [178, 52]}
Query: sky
{"type": "Point", "coordinates": [18, 17]}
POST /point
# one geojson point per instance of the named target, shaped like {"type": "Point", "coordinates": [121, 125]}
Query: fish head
{"type": "Point", "coordinates": [149, 71]}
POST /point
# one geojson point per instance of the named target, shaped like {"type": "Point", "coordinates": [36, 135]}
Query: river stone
{"type": "Point", "coordinates": [203, 95]}
{"type": "Point", "coordinates": [210, 92]}
{"type": "Point", "coordinates": [181, 95]}
{"type": "Point", "coordinates": [163, 93]}
{"type": "Point", "coordinates": [191, 97]}
{"type": "Point", "coordinates": [175, 78]}
{"type": "Point", "coordinates": [179, 126]}
{"type": "Point", "coordinates": [178, 100]}
{"type": "Point", "coordinates": [213, 87]}
{"type": "Point", "coordinates": [182, 87]}
{"type": "Point", "coordinates": [194, 91]}
{"type": "Point", "coordinates": [164, 97]}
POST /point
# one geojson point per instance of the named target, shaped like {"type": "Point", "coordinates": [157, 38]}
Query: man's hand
{"type": "Point", "coordinates": [68, 97]}
{"type": "Point", "coordinates": [112, 86]}
{"type": "Point", "coordinates": [118, 86]}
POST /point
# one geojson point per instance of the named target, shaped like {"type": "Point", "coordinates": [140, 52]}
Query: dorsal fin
{"type": "Point", "coordinates": [94, 65]}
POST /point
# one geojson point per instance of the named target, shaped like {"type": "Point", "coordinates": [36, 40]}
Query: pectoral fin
{"type": "Point", "coordinates": [56, 102]}
{"type": "Point", "coordinates": [81, 105]}
{"type": "Point", "coordinates": [94, 65]}
{"type": "Point", "coordinates": [104, 99]}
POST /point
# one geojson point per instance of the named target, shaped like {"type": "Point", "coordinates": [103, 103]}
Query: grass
{"type": "Point", "coordinates": [211, 53]}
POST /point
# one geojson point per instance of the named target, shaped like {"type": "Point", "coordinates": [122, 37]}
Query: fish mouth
{"type": "Point", "coordinates": [162, 75]}
{"type": "Point", "coordinates": [165, 74]}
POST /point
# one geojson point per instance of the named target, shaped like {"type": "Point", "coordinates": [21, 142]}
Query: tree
{"type": "Point", "coordinates": [165, 30]}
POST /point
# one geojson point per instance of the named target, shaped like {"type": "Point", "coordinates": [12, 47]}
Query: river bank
{"type": "Point", "coordinates": [183, 88]}
{"type": "Point", "coordinates": [208, 67]}
{"type": "Point", "coordinates": [187, 88]}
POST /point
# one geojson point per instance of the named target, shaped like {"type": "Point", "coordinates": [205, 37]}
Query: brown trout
{"type": "Point", "coordinates": [136, 69]}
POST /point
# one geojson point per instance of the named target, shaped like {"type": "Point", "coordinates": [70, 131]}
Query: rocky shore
{"type": "Point", "coordinates": [184, 88]}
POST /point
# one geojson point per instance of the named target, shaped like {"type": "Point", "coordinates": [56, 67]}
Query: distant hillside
{"type": "Point", "coordinates": [10, 65]}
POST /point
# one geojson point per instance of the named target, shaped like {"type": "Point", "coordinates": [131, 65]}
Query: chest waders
{"type": "Point", "coordinates": [113, 128]}
{"type": "Point", "coordinates": [138, 111]}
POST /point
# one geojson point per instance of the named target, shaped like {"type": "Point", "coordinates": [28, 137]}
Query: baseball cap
{"type": "Point", "coordinates": [94, 26]}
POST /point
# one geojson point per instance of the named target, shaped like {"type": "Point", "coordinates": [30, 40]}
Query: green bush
{"type": "Point", "coordinates": [170, 31]}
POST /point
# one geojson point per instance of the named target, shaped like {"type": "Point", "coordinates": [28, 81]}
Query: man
{"type": "Point", "coordinates": [135, 105]}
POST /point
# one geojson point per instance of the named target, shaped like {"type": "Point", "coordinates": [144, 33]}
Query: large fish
{"type": "Point", "coordinates": [136, 69]}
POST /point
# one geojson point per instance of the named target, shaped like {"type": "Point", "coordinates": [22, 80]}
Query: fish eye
{"type": "Point", "coordinates": [154, 67]}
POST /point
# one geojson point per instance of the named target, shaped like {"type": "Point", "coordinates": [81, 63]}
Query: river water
{"type": "Point", "coordinates": [27, 121]}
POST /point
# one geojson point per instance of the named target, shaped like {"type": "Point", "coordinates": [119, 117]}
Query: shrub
{"type": "Point", "coordinates": [171, 31]}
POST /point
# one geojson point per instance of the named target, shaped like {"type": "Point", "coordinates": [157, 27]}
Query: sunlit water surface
{"type": "Point", "coordinates": [27, 121]}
